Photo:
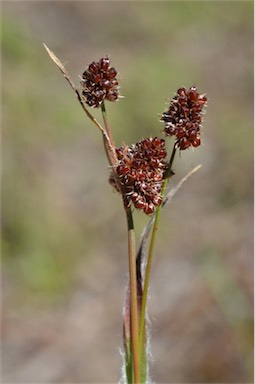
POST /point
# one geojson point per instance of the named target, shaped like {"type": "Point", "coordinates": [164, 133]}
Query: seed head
{"type": "Point", "coordinates": [141, 173]}
{"type": "Point", "coordinates": [184, 116]}
{"type": "Point", "coordinates": [99, 83]}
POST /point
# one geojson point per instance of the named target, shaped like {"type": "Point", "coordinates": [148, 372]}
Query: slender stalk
{"type": "Point", "coordinates": [134, 332]}
{"type": "Point", "coordinates": [108, 144]}
{"type": "Point", "coordinates": [133, 297]}
{"type": "Point", "coordinates": [149, 259]}
{"type": "Point", "coordinates": [106, 123]}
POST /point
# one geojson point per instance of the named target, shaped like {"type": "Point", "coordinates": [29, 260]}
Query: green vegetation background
{"type": "Point", "coordinates": [63, 229]}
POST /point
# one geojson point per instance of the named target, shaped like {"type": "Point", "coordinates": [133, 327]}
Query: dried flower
{"type": "Point", "coordinates": [99, 83]}
{"type": "Point", "coordinates": [183, 119]}
{"type": "Point", "coordinates": [141, 173]}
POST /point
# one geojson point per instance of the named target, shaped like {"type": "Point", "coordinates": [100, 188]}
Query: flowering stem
{"type": "Point", "coordinates": [109, 146]}
{"type": "Point", "coordinates": [133, 297]}
{"type": "Point", "coordinates": [106, 123]}
{"type": "Point", "coordinates": [149, 259]}
{"type": "Point", "coordinates": [169, 168]}
{"type": "Point", "coordinates": [134, 364]}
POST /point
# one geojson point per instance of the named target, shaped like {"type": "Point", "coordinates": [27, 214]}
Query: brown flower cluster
{"type": "Point", "coordinates": [141, 173]}
{"type": "Point", "coordinates": [183, 119]}
{"type": "Point", "coordinates": [99, 83]}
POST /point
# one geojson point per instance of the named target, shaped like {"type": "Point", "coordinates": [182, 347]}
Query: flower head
{"type": "Point", "coordinates": [183, 118]}
{"type": "Point", "coordinates": [99, 83]}
{"type": "Point", "coordinates": [141, 173]}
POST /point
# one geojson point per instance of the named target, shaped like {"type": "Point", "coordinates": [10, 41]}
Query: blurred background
{"type": "Point", "coordinates": [64, 246]}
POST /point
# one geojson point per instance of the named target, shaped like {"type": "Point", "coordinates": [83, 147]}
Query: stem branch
{"type": "Point", "coordinates": [106, 123]}
{"type": "Point", "coordinates": [150, 254]}
{"type": "Point", "coordinates": [133, 296]}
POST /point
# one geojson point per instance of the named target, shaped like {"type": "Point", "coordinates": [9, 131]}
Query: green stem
{"type": "Point", "coordinates": [133, 297]}
{"type": "Point", "coordinates": [109, 146]}
{"type": "Point", "coordinates": [134, 332]}
{"type": "Point", "coordinates": [149, 259]}
{"type": "Point", "coordinates": [106, 123]}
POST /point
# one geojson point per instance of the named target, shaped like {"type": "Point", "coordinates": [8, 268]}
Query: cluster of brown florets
{"type": "Point", "coordinates": [99, 83]}
{"type": "Point", "coordinates": [141, 173]}
{"type": "Point", "coordinates": [141, 168]}
{"type": "Point", "coordinates": [184, 117]}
